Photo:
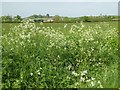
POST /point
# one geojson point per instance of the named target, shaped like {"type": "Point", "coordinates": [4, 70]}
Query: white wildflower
{"type": "Point", "coordinates": [84, 73]}
{"type": "Point", "coordinates": [69, 67]}
{"type": "Point", "coordinates": [31, 74]}
{"type": "Point", "coordinates": [65, 25]}
{"type": "Point", "coordinates": [92, 78]}
{"type": "Point", "coordinates": [82, 79]}
{"type": "Point", "coordinates": [74, 73]}
{"type": "Point", "coordinates": [88, 80]}
{"type": "Point", "coordinates": [92, 84]}
{"type": "Point", "coordinates": [38, 73]}
{"type": "Point", "coordinates": [100, 84]}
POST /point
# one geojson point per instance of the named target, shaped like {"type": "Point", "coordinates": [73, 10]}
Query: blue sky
{"type": "Point", "coordinates": [73, 9]}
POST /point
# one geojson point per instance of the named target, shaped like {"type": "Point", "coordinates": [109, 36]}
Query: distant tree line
{"type": "Point", "coordinates": [10, 19]}
{"type": "Point", "coordinates": [58, 19]}
{"type": "Point", "coordinates": [104, 18]}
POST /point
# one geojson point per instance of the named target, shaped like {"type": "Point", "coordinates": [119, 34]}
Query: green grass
{"type": "Point", "coordinates": [56, 55]}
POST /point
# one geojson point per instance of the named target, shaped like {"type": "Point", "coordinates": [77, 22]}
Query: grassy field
{"type": "Point", "coordinates": [57, 55]}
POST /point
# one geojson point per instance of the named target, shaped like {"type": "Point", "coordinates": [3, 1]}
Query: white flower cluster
{"type": "Point", "coordinates": [92, 82]}
{"type": "Point", "coordinates": [75, 74]}
{"type": "Point", "coordinates": [79, 46]}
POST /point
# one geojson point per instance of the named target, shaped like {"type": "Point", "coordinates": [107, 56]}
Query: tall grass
{"type": "Point", "coordinates": [42, 57]}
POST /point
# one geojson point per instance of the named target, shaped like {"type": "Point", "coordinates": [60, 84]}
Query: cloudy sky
{"type": "Point", "coordinates": [59, 0]}
{"type": "Point", "coordinates": [73, 9]}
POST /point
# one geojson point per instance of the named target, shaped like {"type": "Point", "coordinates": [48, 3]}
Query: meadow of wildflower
{"type": "Point", "coordinates": [57, 55]}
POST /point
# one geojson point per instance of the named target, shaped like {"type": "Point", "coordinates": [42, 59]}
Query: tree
{"type": "Point", "coordinates": [6, 19]}
{"type": "Point", "coordinates": [40, 16]}
{"type": "Point", "coordinates": [85, 19]}
{"type": "Point", "coordinates": [56, 18]}
{"type": "Point", "coordinates": [17, 18]}
{"type": "Point", "coordinates": [47, 15]}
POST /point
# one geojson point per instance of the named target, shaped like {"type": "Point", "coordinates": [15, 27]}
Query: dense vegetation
{"type": "Point", "coordinates": [60, 55]}
{"type": "Point", "coordinates": [59, 19]}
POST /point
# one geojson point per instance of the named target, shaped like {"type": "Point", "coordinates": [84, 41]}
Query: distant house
{"type": "Point", "coordinates": [117, 19]}
{"type": "Point", "coordinates": [49, 20]}
{"type": "Point", "coordinates": [38, 20]}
